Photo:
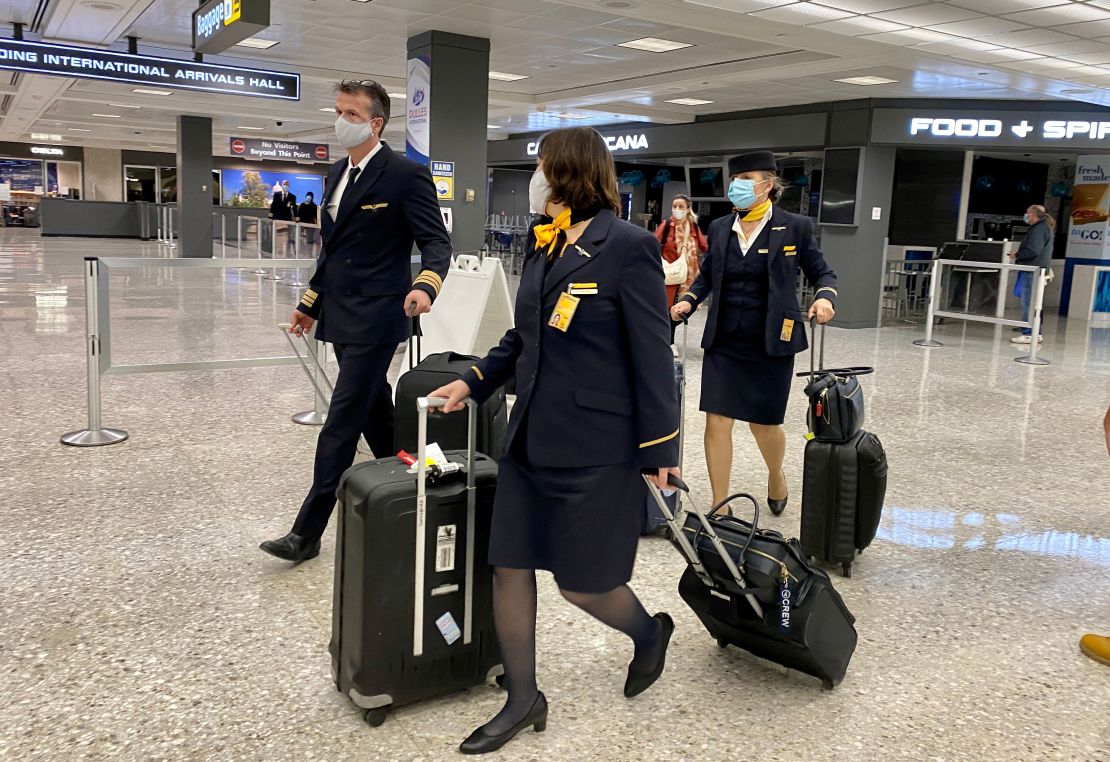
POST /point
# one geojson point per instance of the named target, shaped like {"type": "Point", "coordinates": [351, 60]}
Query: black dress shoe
{"type": "Point", "coordinates": [292, 547]}
{"type": "Point", "coordinates": [481, 742]}
{"type": "Point", "coordinates": [642, 676]}
{"type": "Point", "coordinates": [777, 506]}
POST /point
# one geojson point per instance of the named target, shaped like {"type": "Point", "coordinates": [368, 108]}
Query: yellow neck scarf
{"type": "Point", "coordinates": [548, 235]}
{"type": "Point", "coordinates": [756, 212]}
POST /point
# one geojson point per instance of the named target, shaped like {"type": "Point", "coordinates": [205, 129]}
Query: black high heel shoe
{"type": "Point", "coordinates": [481, 742]}
{"type": "Point", "coordinates": [641, 678]}
{"type": "Point", "coordinates": [777, 506]}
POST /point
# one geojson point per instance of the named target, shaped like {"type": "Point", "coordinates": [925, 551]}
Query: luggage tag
{"type": "Point", "coordinates": [786, 603]}
{"type": "Point", "coordinates": [563, 312]}
{"type": "Point", "coordinates": [448, 628]}
{"type": "Point", "coordinates": [787, 330]}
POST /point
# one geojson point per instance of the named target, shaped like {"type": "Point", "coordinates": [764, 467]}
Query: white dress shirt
{"type": "Point", "coordinates": [341, 184]}
{"type": "Point", "coordinates": [747, 241]}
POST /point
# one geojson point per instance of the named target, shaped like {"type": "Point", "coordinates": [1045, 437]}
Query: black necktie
{"type": "Point", "coordinates": [352, 176]}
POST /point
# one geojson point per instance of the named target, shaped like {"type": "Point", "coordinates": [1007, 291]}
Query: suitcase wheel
{"type": "Point", "coordinates": [375, 717]}
{"type": "Point", "coordinates": [828, 684]}
{"type": "Point", "coordinates": [722, 642]}
{"type": "Point", "coordinates": [846, 569]}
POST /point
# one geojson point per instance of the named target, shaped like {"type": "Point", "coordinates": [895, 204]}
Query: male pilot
{"type": "Point", "coordinates": [377, 204]}
{"type": "Point", "coordinates": [283, 204]}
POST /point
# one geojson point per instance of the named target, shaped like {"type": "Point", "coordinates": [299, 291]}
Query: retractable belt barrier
{"type": "Point", "coordinates": [1004, 270]}
{"type": "Point", "coordinates": [98, 335]}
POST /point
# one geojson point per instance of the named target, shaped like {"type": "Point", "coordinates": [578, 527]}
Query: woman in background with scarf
{"type": "Point", "coordinates": [681, 239]}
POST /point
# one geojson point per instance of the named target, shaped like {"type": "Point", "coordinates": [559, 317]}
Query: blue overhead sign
{"type": "Point", "coordinates": [219, 24]}
{"type": "Point", "coordinates": [109, 65]}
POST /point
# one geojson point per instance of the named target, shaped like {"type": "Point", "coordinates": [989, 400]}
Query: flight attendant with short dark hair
{"type": "Point", "coordinates": [755, 324]}
{"type": "Point", "coordinates": [596, 406]}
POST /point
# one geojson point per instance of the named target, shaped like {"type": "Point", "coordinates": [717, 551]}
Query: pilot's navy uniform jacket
{"type": "Point", "coordinates": [282, 206]}
{"type": "Point", "coordinates": [595, 405]}
{"type": "Point", "coordinates": [755, 325]}
{"type": "Point", "coordinates": [357, 296]}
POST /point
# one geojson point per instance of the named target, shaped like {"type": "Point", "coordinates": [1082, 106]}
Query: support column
{"type": "Point", "coordinates": [193, 222]}
{"type": "Point", "coordinates": [448, 95]}
{"type": "Point", "coordinates": [856, 253]}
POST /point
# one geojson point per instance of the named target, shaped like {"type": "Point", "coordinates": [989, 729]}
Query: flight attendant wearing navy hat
{"type": "Point", "coordinates": [755, 324]}
{"type": "Point", "coordinates": [596, 407]}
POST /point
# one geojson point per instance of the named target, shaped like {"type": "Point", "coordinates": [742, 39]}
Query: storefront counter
{"type": "Point", "coordinates": [1090, 294]}
{"type": "Point", "coordinates": [89, 219]}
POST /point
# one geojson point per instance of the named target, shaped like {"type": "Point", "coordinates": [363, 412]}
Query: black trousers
{"type": "Point", "coordinates": [361, 404]}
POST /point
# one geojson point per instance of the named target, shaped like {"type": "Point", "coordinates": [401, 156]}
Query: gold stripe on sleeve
{"type": "Point", "coordinates": [478, 373]}
{"type": "Point", "coordinates": [660, 440]}
{"type": "Point", "coordinates": [826, 288]}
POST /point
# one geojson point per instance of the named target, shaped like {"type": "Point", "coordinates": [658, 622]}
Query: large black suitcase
{"type": "Point", "coordinates": [412, 614]}
{"type": "Point", "coordinates": [754, 589]}
{"type": "Point", "coordinates": [450, 431]}
{"type": "Point", "coordinates": [843, 488]}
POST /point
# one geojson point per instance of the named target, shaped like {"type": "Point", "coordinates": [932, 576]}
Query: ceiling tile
{"type": "Point", "coordinates": [1095, 57]}
{"type": "Point", "coordinates": [868, 6]}
{"type": "Point", "coordinates": [1063, 49]}
{"type": "Point", "coordinates": [546, 25]}
{"type": "Point", "coordinates": [1086, 29]}
{"type": "Point", "coordinates": [859, 25]}
{"type": "Point", "coordinates": [1061, 14]}
{"type": "Point", "coordinates": [1001, 54]}
{"type": "Point", "coordinates": [740, 6]}
{"type": "Point", "coordinates": [908, 37]}
{"type": "Point", "coordinates": [958, 45]}
{"type": "Point", "coordinates": [927, 15]}
{"type": "Point", "coordinates": [979, 27]}
{"type": "Point", "coordinates": [1027, 38]}
{"type": "Point", "coordinates": [1005, 6]}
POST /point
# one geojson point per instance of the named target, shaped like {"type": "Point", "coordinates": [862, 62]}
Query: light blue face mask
{"type": "Point", "coordinates": [741, 193]}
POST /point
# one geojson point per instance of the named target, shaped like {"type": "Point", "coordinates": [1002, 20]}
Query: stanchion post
{"type": "Point", "coordinates": [272, 275]}
{"type": "Point", "coordinates": [94, 435]}
{"type": "Point", "coordinates": [260, 270]}
{"type": "Point", "coordinates": [934, 278]}
{"type": "Point", "coordinates": [319, 412]}
{"type": "Point", "coordinates": [1035, 337]}
{"type": "Point", "coordinates": [223, 235]}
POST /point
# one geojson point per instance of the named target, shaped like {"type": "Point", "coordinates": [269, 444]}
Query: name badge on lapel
{"type": "Point", "coordinates": [787, 330]}
{"type": "Point", "coordinates": [563, 312]}
{"type": "Point", "coordinates": [582, 289]}
{"type": "Point", "coordinates": [790, 251]}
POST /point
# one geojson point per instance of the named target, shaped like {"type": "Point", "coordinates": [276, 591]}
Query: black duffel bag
{"type": "Point", "coordinates": [754, 589]}
{"type": "Point", "coordinates": [835, 412]}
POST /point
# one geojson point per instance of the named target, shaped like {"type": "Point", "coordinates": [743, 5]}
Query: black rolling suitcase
{"type": "Point", "coordinates": [412, 614]}
{"type": "Point", "coordinates": [845, 470]}
{"type": "Point", "coordinates": [754, 589]}
{"type": "Point", "coordinates": [450, 431]}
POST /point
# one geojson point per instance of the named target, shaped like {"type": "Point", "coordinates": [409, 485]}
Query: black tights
{"type": "Point", "coordinates": [514, 614]}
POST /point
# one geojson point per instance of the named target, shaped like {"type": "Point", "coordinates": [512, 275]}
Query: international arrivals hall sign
{"type": "Point", "coordinates": [111, 66]}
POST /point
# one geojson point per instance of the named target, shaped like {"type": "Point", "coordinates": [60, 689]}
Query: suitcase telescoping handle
{"type": "Point", "coordinates": [416, 349]}
{"type": "Point", "coordinates": [815, 366]}
{"type": "Point", "coordinates": [310, 352]}
{"type": "Point", "coordinates": [423, 405]}
{"type": "Point", "coordinates": [689, 551]}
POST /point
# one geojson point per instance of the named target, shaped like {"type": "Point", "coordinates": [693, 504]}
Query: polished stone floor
{"type": "Point", "coordinates": [138, 620]}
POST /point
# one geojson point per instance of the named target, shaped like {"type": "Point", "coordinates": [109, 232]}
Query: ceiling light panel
{"type": "Point", "coordinates": [1073, 13]}
{"type": "Point", "coordinates": [927, 15]}
{"type": "Point", "coordinates": [689, 102]}
{"type": "Point", "coordinates": [108, 116]}
{"type": "Point", "coordinates": [254, 42]}
{"type": "Point", "coordinates": [740, 6]}
{"type": "Point", "coordinates": [502, 76]}
{"type": "Point", "coordinates": [802, 13]}
{"type": "Point", "coordinates": [148, 91]}
{"type": "Point", "coordinates": [654, 45]}
{"type": "Point", "coordinates": [867, 80]}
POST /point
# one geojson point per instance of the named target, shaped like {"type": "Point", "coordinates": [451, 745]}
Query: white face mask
{"type": "Point", "coordinates": [352, 134]}
{"type": "Point", "coordinates": [678, 214]}
{"type": "Point", "coordinates": [539, 191]}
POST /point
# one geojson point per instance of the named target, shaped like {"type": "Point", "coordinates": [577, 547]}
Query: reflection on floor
{"type": "Point", "coordinates": [141, 622]}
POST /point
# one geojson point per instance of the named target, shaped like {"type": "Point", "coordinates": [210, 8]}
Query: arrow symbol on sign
{"type": "Point", "coordinates": [1023, 129]}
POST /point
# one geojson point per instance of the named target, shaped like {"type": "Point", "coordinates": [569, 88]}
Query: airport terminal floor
{"type": "Point", "coordinates": [141, 622]}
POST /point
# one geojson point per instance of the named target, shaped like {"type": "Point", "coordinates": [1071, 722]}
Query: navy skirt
{"type": "Point", "coordinates": [581, 524]}
{"type": "Point", "coordinates": [746, 384]}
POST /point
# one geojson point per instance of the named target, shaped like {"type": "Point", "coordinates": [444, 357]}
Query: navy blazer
{"type": "Point", "coordinates": [282, 208]}
{"type": "Point", "coordinates": [791, 246]}
{"type": "Point", "coordinates": [603, 392]}
{"type": "Point", "coordinates": [364, 270]}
